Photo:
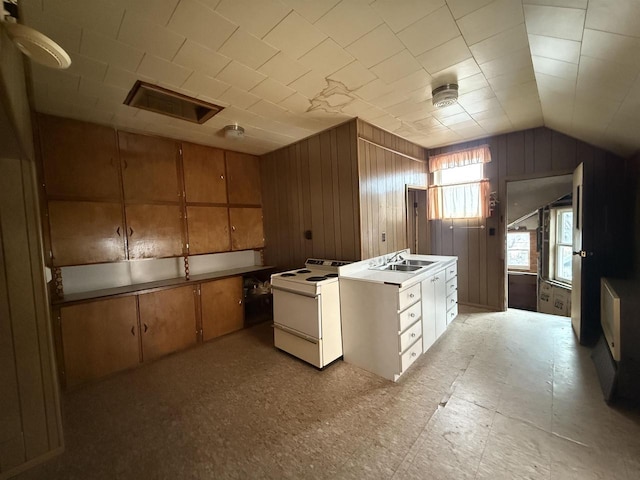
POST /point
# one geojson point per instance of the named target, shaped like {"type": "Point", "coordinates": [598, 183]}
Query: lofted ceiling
{"type": "Point", "coordinates": [286, 69]}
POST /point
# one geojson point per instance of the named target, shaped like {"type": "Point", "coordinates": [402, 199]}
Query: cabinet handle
{"type": "Point", "coordinates": [413, 335]}
{"type": "Point", "coordinates": [412, 315]}
{"type": "Point", "coordinates": [233, 228]}
{"type": "Point", "coordinates": [239, 302]}
{"type": "Point", "coordinates": [413, 354]}
{"type": "Point", "coordinates": [411, 295]}
{"type": "Point", "coordinates": [133, 332]}
{"type": "Point", "coordinates": [130, 232]}
{"type": "Point", "coordinates": [146, 327]}
{"type": "Point", "coordinates": [222, 177]}
{"type": "Point", "coordinates": [126, 165]}
{"type": "Point", "coordinates": [118, 231]}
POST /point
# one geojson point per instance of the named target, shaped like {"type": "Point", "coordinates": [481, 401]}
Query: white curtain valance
{"type": "Point", "coordinates": [460, 158]}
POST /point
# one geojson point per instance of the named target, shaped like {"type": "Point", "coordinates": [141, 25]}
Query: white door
{"type": "Point", "coordinates": [578, 252]}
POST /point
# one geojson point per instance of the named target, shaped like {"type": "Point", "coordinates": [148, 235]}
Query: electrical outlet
{"type": "Point", "coordinates": [384, 237]}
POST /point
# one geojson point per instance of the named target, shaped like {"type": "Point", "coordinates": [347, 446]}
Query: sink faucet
{"type": "Point", "coordinates": [397, 254]}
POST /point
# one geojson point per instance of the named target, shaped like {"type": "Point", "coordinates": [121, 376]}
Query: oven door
{"type": "Point", "coordinates": [297, 311]}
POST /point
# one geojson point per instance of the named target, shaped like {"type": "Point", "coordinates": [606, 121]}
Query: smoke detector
{"type": "Point", "coordinates": [233, 131]}
{"type": "Point", "coordinates": [33, 44]}
{"type": "Point", "coordinates": [445, 95]}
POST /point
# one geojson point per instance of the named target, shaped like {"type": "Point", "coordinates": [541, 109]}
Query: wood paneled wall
{"type": "Point", "coordinates": [30, 421]}
{"type": "Point", "coordinates": [384, 175]}
{"type": "Point", "coordinates": [312, 185]}
{"type": "Point", "coordinates": [538, 152]}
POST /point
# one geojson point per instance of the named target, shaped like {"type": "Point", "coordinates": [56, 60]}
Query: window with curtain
{"type": "Point", "coordinates": [459, 188]}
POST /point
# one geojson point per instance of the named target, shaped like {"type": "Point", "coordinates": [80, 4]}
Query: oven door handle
{"type": "Point", "coordinates": [296, 334]}
{"type": "Point", "coordinates": [295, 292]}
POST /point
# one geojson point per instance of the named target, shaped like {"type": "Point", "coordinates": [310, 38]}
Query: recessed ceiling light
{"type": "Point", "coordinates": [445, 95]}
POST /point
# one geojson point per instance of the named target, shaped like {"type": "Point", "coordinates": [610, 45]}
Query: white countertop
{"type": "Point", "coordinates": [364, 272]}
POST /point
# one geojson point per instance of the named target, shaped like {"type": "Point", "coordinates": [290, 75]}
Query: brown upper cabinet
{"type": "Point", "coordinates": [154, 231]}
{"type": "Point", "coordinates": [246, 228]}
{"type": "Point", "coordinates": [79, 159]}
{"type": "Point", "coordinates": [149, 168]}
{"type": "Point", "coordinates": [204, 174]}
{"type": "Point", "coordinates": [208, 229]}
{"type": "Point", "coordinates": [243, 179]}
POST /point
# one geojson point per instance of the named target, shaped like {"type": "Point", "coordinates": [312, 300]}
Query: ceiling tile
{"type": "Point", "coordinates": [326, 58]}
{"type": "Point", "coordinates": [555, 68]}
{"type": "Point", "coordinates": [348, 21]}
{"type": "Point", "coordinates": [110, 51]}
{"type": "Point", "coordinates": [619, 16]}
{"type": "Point", "coordinates": [65, 34]}
{"type": "Point", "coordinates": [555, 22]}
{"type": "Point", "coordinates": [158, 11]}
{"type": "Point", "coordinates": [417, 80]}
{"type": "Point", "coordinates": [472, 83]}
{"type": "Point", "coordinates": [490, 20]}
{"type": "Point", "coordinates": [196, 57]}
{"type": "Point", "coordinates": [430, 31]}
{"type": "Point", "coordinates": [449, 53]}
{"type": "Point", "coordinates": [611, 47]}
{"type": "Point", "coordinates": [268, 110]}
{"type": "Point", "coordinates": [87, 67]}
{"type": "Point", "coordinates": [603, 72]}
{"type": "Point", "coordinates": [388, 100]}
{"type": "Point", "coordinates": [407, 107]}
{"type": "Point", "coordinates": [475, 96]}
{"type": "Point", "coordinates": [92, 88]}
{"type": "Point", "coordinates": [549, 85]}
{"type": "Point", "coordinates": [508, 63]}
{"type": "Point", "coordinates": [417, 115]}
{"type": "Point", "coordinates": [556, 48]}
{"type": "Point", "coordinates": [239, 98]}
{"type": "Point", "coordinates": [247, 49]}
{"type": "Point", "coordinates": [353, 76]}
{"type": "Point", "coordinates": [496, 125]}
{"type": "Point", "coordinates": [396, 67]}
{"type": "Point", "coordinates": [240, 76]}
{"type": "Point", "coordinates": [311, 10]}
{"type": "Point", "coordinates": [163, 72]}
{"type": "Point", "coordinates": [296, 103]}
{"type": "Point", "coordinates": [387, 122]}
{"type": "Point", "coordinates": [204, 86]}
{"type": "Point", "coordinates": [460, 8]}
{"type": "Point", "coordinates": [272, 91]}
{"type": "Point", "coordinates": [100, 17]}
{"type": "Point", "coordinates": [451, 110]}
{"type": "Point", "coordinates": [559, 3]}
{"type": "Point", "coordinates": [295, 36]}
{"type": "Point", "coordinates": [376, 46]}
{"type": "Point", "coordinates": [501, 44]}
{"type": "Point", "coordinates": [257, 18]}
{"type": "Point", "coordinates": [512, 78]}
{"type": "Point", "coordinates": [310, 84]}
{"type": "Point", "coordinates": [201, 24]}
{"type": "Point", "coordinates": [456, 73]}
{"type": "Point", "coordinates": [400, 14]}
{"type": "Point", "coordinates": [484, 105]}
{"type": "Point", "coordinates": [493, 113]}
{"type": "Point", "coordinates": [374, 89]}
{"type": "Point", "coordinates": [62, 79]}
{"type": "Point", "coordinates": [118, 77]}
{"type": "Point", "coordinates": [150, 37]}
{"type": "Point", "coordinates": [283, 69]}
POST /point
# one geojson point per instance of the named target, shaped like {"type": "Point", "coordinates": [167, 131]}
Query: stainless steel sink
{"type": "Point", "coordinates": [421, 263]}
{"type": "Point", "coordinates": [396, 267]}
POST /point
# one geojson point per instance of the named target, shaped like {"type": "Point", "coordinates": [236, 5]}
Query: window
{"type": "Point", "coordinates": [563, 245]}
{"type": "Point", "coordinates": [518, 250]}
{"type": "Point", "coordinates": [459, 189]}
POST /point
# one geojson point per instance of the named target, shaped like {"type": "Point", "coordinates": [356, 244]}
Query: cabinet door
{"type": "Point", "coordinates": [154, 231]}
{"type": "Point", "coordinates": [167, 320]}
{"type": "Point", "coordinates": [86, 232]}
{"type": "Point", "coordinates": [208, 229]}
{"type": "Point", "coordinates": [222, 310]}
{"type": "Point", "coordinates": [79, 159]}
{"type": "Point", "coordinates": [149, 168]}
{"type": "Point", "coordinates": [246, 228]}
{"type": "Point", "coordinates": [99, 338]}
{"type": "Point", "coordinates": [243, 173]}
{"type": "Point", "coordinates": [204, 175]}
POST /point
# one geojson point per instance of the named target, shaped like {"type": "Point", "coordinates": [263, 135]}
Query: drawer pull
{"type": "Point", "coordinates": [453, 301]}
{"type": "Point", "coordinates": [133, 332]}
{"type": "Point", "coordinates": [411, 295]}
{"type": "Point", "coordinates": [413, 354]}
{"type": "Point", "coordinates": [413, 335]}
{"type": "Point", "coordinates": [412, 315]}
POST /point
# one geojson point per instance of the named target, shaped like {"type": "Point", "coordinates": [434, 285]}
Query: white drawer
{"type": "Point", "coordinates": [452, 271]}
{"type": "Point", "coordinates": [410, 315]}
{"type": "Point", "coordinates": [452, 314]}
{"type": "Point", "coordinates": [409, 296]}
{"type": "Point", "coordinates": [412, 334]}
{"type": "Point", "coordinates": [452, 286]}
{"type": "Point", "coordinates": [299, 347]}
{"type": "Point", "coordinates": [452, 301]}
{"type": "Point", "coordinates": [410, 356]}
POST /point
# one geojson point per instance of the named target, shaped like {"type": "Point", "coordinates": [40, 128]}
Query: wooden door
{"type": "Point", "coordinates": [243, 172]}
{"type": "Point", "coordinates": [167, 321]}
{"type": "Point", "coordinates": [149, 168]}
{"type": "Point", "coordinates": [222, 309]}
{"type": "Point", "coordinates": [204, 174]}
{"type": "Point", "coordinates": [86, 232]}
{"type": "Point", "coordinates": [99, 338]}
{"type": "Point", "coordinates": [154, 231]}
{"type": "Point", "coordinates": [208, 229]}
{"type": "Point", "coordinates": [247, 231]}
{"type": "Point", "coordinates": [576, 264]}
{"type": "Point", "coordinates": [79, 159]}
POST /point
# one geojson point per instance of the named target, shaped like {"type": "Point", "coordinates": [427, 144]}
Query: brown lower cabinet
{"type": "Point", "coordinates": [99, 338]}
{"type": "Point", "coordinates": [167, 321]}
{"type": "Point", "coordinates": [222, 309]}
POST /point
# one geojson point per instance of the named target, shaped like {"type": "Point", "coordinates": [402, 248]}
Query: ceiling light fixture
{"type": "Point", "coordinates": [445, 95]}
{"type": "Point", "coordinates": [233, 131]}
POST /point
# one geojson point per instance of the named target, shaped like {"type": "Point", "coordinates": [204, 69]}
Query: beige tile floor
{"type": "Point", "coordinates": [501, 395]}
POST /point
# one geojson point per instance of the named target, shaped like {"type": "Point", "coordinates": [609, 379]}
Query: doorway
{"type": "Point", "coordinates": [418, 239]}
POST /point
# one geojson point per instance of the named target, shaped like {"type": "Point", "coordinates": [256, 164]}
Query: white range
{"type": "Point", "coordinates": [306, 311]}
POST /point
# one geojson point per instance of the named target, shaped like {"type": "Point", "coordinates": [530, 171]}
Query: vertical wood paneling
{"type": "Point", "coordinates": [563, 152]}
{"type": "Point", "coordinates": [516, 152]}
{"type": "Point", "coordinates": [335, 183]}
{"type": "Point", "coordinates": [542, 150]}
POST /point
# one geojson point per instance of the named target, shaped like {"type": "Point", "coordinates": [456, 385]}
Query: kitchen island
{"type": "Point", "coordinates": [394, 307]}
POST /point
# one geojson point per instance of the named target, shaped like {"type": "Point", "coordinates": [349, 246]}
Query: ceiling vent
{"type": "Point", "coordinates": [445, 95]}
{"type": "Point", "coordinates": [166, 102]}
